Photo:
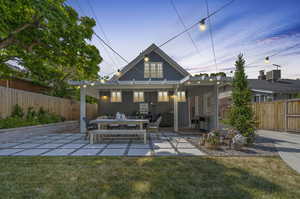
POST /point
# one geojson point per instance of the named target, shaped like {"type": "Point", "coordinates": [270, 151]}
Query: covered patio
{"type": "Point", "coordinates": [188, 101]}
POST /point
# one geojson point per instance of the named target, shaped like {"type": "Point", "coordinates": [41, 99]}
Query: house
{"type": "Point", "coordinates": [23, 84]}
{"type": "Point", "coordinates": [267, 87]}
{"type": "Point", "coordinates": [153, 83]}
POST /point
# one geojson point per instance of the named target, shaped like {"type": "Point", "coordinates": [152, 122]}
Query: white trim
{"type": "Point", "coordinates": [175, 111]}
{"type": "Point", "coordinates": [262, 91]}
{"type": "Point", "coordinates": [157, 50]}
{"type": "Point", "coordinates": [197, 106]}
{"type": "Point", "coordinates": [82, 109]}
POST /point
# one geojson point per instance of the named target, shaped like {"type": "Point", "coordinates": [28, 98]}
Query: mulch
{"type": "Point", "coordinates": [262, 147]}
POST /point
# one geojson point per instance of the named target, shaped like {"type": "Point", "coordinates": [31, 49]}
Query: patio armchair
{"type": "Point", "coordinates": [155, 125]}
{"type": "Point", "coordinates": [89, 127]}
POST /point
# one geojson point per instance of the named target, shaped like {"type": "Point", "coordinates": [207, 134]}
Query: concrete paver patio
{"type": "Point", "coordinates": [287, 145]}
{"type": "Point", "coordinates": [56, 144]}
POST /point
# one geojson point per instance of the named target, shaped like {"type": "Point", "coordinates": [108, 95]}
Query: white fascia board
{"type": "Point", "coordinates": [262, 91]}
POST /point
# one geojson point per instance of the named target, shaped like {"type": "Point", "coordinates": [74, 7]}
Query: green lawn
{"type": "Point", "coordinates": [166, 177]}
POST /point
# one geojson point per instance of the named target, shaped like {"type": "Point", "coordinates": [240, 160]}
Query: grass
{"type": "Point", "coordinates": [159, 177]}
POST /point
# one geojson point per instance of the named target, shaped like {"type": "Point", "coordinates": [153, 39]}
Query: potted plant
{"type": "Point", "coordinates": [212, 140]}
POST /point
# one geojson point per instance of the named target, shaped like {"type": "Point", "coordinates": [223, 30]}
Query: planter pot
{"type": "Point", "coordinates": [212, 146]}
{"type": "Point", "coordinates": [237, 146]}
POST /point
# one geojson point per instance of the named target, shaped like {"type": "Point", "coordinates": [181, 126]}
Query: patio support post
{"type": "Point", "coordinates": [217, 106]}
{"type": "Point", "coordinates": [82, 109]}
{"type": "Point", "coordinates": [175, 111]}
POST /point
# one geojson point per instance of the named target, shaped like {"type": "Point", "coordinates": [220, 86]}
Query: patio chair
{"type": "Point", "coordinates": [89, 127]}
{"type": "Point", "coordinates": [155, 125]}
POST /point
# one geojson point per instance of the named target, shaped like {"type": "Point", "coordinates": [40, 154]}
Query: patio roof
{"type": "Point", "coordinates": [92, 87]}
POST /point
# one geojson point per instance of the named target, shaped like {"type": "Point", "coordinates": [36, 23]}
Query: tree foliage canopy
{"type": "Point", "coordinates": [49, 40]}
{"type": "Point", "coordinates": [241, 116]}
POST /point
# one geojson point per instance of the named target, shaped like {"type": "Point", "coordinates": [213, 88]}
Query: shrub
{"type": "Point", "coordinates": [19, 119]}
{"type": "Point", "coordinates": [17, 111]}
{"type": "Point", "coordinates": [241, 114]}
{"type": "Point", "coordinates": [212, 139]}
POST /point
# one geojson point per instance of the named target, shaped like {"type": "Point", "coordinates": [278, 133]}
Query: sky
{"type": "Point", "coordinates": [255, 28]}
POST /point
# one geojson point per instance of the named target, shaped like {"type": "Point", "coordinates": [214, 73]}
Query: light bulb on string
{"type": "Point", "coordinates": [267, 60]}
{"type": "Point", "coordinates": [202, 25]}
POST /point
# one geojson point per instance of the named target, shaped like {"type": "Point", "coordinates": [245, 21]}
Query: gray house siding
{"type": "Point", "coordinates": [137, 72]}
{"type": "Point", "coordinates": [127, 106]}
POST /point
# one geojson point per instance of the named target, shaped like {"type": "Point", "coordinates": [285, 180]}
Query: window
{"type": "Point", "coordinates": [138, 96]}
{"type": "Point", "coordinates": [181, 96]}
{"type": "Point", "coordinates": [163, 96]}
{"type": "Point", "coordinates": [153, 70]}
{"type": "Point", "coordinates": [116, 96]}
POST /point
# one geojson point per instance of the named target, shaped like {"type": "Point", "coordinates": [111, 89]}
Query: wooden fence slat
{"type": "Point", "coordinates": [69, 109]}
{"type": "Point", "coordinates": [278, 115]}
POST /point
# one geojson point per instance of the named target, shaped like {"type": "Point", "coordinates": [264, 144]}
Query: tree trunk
{"type": "Point", "coordinates": [10, 39]}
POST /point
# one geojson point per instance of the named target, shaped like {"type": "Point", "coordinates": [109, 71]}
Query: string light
{"type": "Point", "coordinates": [92, 84]}
{"type": "Point", "coordinates": [202, 25]}
{"type": "Point", "coordinates": [84, 86]}
{"type": "Point", "coordinates": [267, 60]}
{"type": "Point", "coordinates": [118, 72]}
{"type": "Point", "coordinates": [102, 81]}
{"type": "Point", "coordinates": [146, 58]}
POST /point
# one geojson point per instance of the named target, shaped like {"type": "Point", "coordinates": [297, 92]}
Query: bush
{"type": "Point", "coordinates": [19, 119]}
{"type": "Point", "coordinates": [212, 139]}
{"type": "Point", "coordinates": [241, 114]}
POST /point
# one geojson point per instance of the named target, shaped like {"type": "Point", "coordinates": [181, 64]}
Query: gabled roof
{"type": "Point", "coordinates": [156, 49]}
{"type": "Point", "coordinates": [279, 86]}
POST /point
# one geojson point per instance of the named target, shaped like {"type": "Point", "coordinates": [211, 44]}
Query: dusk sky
{"type": "Point", "coordinates": [256, 28]}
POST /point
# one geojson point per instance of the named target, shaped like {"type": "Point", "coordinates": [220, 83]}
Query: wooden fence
{"type": "Point", "coordinates": [278, 115]}
{"type": "Point", "coordinates": [69, 109]}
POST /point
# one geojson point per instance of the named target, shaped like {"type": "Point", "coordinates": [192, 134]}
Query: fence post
{"type": "Point", "coordinates": [286, 116]}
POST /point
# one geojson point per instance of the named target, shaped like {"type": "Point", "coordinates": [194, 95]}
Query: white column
{"type": "Point", "coordinates": [196, 105]}
{"type": "Point", "coordinates": [82, 109]}
{"type": "Point", "coordinates": [217, 106]}
{"type": "Point", "coordinates": [175, 111]}
{"type": "Point", "coordinates": [189, 111]}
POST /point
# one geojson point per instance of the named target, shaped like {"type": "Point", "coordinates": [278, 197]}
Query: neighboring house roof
{"type": "Point", "coordinates": [141, 56]}
{"type": "Point", "coordinates": [279, 86]}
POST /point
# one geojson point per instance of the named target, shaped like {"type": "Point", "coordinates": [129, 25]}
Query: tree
{"type": "Point", "coordinates": [49, 40]}
{"type": "Point", "coordinates": [241, 115]}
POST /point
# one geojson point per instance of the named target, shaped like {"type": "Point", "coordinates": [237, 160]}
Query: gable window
{"type": "Point", "coordinates": [181, 96]}
{"type": "Point", "coordinates": [116, 96]}
{"type": "Point", "coordinates": [153, 70]}
{"type": "Point", "coordinates": [138, 96]}
{"type": "Point", "coordinates": [163, 96]}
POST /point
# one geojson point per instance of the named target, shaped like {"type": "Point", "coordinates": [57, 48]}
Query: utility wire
{"type": "Point", "coordinates": [184, 26]}
{"type": "Point", "coordinates": [110, 47]}
{"type": "Point", "coordinates": [100, 27]}
{"type": "Point", "coordinates": [193, 25]}
{"type": "Point", "coordinates": [175, 36]}
{"type": "Point", "coordinates": [211, 37]}
{"type": "Point", "coordinates": [277, 53]}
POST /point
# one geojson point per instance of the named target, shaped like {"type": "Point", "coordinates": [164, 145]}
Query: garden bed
{"type": "Point", "coordinates": [261, 147]}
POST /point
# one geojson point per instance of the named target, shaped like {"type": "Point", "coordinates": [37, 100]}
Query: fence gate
{"type": "Point", "coordinates": [292, 115]}
{"type": "Point", "coordinates": [283, 115]}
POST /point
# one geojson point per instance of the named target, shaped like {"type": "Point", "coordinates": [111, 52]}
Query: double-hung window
{"type": "Point", "coordinates": [138, 96]}
{"type": "Point", "coordinates": [116, 96]}
{"type": "Point", "coordinates": [153, 70]}
{"type": "Point", "coordinates": [181, 96]}
{"type": "Point", "coordinates": [163, 96]}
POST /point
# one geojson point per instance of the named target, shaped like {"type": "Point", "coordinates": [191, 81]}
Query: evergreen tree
{"type": "Point", "coordinates": [241, 115]}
